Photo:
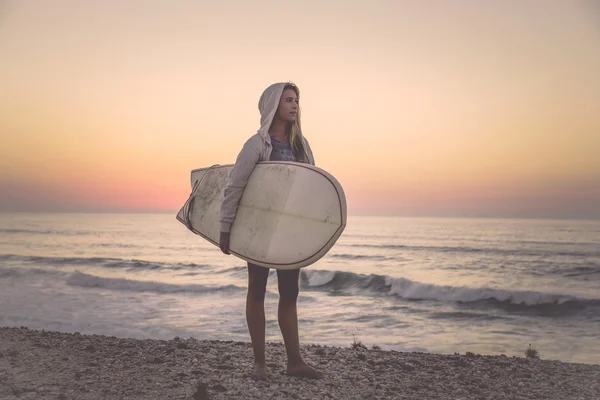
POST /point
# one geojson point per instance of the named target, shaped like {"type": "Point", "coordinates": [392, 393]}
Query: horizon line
{"type": "Point", "coordinates": [353, 215]}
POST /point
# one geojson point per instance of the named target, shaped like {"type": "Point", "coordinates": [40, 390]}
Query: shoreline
{"type": "Point", "coordinates": [55, 365]}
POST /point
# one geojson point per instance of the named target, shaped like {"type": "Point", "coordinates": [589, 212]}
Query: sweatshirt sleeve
{"type": "Point", "coordinates": [238, 178]}
{"type": "Point", "coordinates": [311, 157]}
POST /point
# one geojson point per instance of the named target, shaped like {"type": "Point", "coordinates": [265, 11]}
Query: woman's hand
{"type": "Point", "coordinates": [224, 242]}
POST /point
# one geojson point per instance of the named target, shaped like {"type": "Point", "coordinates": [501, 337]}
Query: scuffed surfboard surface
{"type": "Point", "coordinates": [289, 216]}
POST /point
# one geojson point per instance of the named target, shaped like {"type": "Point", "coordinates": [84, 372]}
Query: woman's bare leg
{"type": "Point", "coordinates": [255, 315]}
{"type": "Point", "coordinates": [288, 323]}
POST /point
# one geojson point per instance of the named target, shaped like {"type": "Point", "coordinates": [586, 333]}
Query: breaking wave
{"type": "Point", "coordinates": [93, 281]}
{"type": "Point", "coordinates": [357, 284]}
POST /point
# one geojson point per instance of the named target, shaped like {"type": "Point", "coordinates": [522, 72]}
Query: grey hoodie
{"type": "Point", "coordinates": [257, 148]}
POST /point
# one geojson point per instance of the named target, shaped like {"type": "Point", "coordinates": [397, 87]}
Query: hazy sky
{"type": "Point", "coordinates": [458, 108]}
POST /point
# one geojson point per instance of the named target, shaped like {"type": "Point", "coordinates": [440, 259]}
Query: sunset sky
{"type": "Point", "coordinates": [418, 108]}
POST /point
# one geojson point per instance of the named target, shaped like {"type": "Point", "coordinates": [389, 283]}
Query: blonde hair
{"type": "Point", "coordinates": [294, 131]}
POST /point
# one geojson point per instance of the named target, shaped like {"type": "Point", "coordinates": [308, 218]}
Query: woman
{"type": "Point", "coordinates": [278, 139]}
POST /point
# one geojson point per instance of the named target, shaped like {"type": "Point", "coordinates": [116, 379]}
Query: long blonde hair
{"type": "Point", "coordinates": [293, 130]}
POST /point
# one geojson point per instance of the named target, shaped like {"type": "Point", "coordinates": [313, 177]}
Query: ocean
{"type": "Point", "coordinates": [489, 286]}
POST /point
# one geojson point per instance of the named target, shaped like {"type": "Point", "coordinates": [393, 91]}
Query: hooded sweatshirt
{"type": "Point", "coordinates": [256, 148]}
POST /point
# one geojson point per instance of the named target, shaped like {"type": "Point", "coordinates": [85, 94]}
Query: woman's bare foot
{"type": "Point", "coordinates": [303, 370]}
{"type": "Point", "coordinates": [260, 371]}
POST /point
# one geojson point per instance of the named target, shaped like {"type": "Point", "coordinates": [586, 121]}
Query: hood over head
{"type": "Point", "coordinates": [267, 105]}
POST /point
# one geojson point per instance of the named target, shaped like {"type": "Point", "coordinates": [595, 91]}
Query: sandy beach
{"type": "Point", "coordinates": [52, 365]}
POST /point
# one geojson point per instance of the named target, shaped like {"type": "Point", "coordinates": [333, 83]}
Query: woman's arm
{"type": "Point", "coordinates": [238, 178]}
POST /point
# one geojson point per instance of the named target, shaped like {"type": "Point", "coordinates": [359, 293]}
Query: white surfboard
{"type": "Point", "coordinates": [289, 216]}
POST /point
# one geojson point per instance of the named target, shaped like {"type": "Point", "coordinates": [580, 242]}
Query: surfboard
{"type": "Point", "coordinates": [289, 216]}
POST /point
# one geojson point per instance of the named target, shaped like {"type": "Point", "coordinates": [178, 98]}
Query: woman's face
{"type": "Point", "coordinates": [288, 106]}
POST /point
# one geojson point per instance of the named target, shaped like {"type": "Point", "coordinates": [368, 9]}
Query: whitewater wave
{"type": "Point", "coordinates": [86, 280]}
{"type": "Point", "coordinates": [582, 270]}
{"type": "Point", "coordinates": [412, 290]}
{"type": "Point", "coordinates": [407, 289]}
{"type": "Point", "coordinates": [332, 282]}
{"type": "Point", "coordinates": [93, 281]}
